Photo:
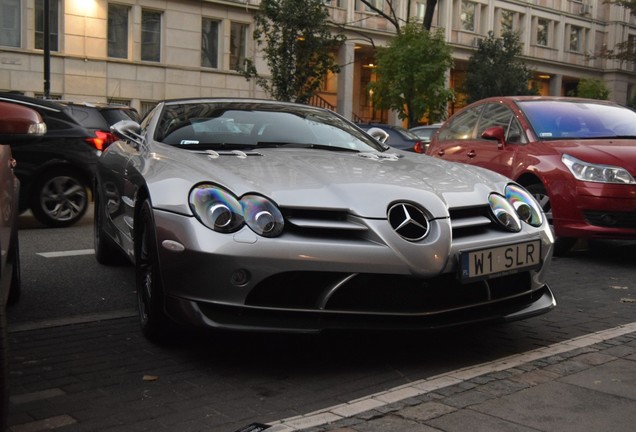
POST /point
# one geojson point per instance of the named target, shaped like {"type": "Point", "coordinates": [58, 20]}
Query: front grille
{"type": "Point", "coordinates": [609, 219]}
{"type": "Point", "coordinates": [471, 221]}
{"type": "Point", "coordinates": [381, 293]}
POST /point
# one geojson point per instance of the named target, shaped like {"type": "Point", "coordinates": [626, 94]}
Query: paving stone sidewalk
{"type": "Point", "coordinates": [584, 384]}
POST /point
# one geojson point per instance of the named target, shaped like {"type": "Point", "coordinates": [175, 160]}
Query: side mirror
{"type": "Point", "coordinates": [127, 130]}
{"type": "Point", "coordinates": [19, 123]}
{"type": "Point", "coordinates": [495, 133]}
{"type": "Point", "coordinates": [378, 134]}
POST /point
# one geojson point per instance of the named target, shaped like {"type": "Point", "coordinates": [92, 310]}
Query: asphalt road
{"type": "Point", "coordinates": [252, 377]}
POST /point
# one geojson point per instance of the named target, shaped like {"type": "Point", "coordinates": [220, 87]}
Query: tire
{"type": "Point", "coordinates": [60, 198]}
{"type": "Point", "coordinates": [155, 324]}
{"type": "Point", "coordinates": [562, 245]}
{"type": "Point", "coordinates": [107, 252]}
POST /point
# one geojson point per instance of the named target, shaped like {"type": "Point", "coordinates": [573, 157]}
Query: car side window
{"type": "Point", "coordinates": [501, 115]}
{"type": "Point", "coordinates": [462, 126]}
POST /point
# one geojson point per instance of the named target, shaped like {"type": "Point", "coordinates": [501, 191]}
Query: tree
{"type": "Point", "coordinates": [392, 6]}
{"type": "Point", "coordinates": [496, 69]}
{"type": "Point", "coordinates": [298, 47]}
{"type": "Point", "coordinates": [592, 88]}
{"type": "Point", "coordinates": [411, 75]}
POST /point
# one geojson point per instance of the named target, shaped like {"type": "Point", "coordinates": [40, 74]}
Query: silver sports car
{"type": "Point", "coordinates": [262, 215]}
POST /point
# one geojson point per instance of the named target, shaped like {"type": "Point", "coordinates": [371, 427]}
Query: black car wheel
{"type": "Point", "coordinates": [155, 324]}
{"type": "Point", "coordinates": [106, 251]}
{"type": "Point", "coordinates": [562, 245]}
{"type": "Point", "coordinates": [60, 198]}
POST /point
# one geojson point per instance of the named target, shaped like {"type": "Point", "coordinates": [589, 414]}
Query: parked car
{"type": "Point", "coordinates": [425, 133]}
{"type": "Point", "coordinates": [56, 170]}
{"type": "Point", "coordinates": [17, 123]}
{"type": "Point", "coordinates": [249, 214]}
{"type": "Point", "coordinates": [99, 117]}
{"type": "Point", "coordinates": [397, 136]}
{"type": "Point", "coordinates": [576, 156]}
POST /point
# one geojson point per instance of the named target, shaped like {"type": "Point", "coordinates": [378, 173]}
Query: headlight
{"type": "Point", "coordinates": [216, 208]}
{"type": "Point", "coordinates": [504, 212]}
{"type": "Point", "coordinates": [597, 173]}
{"type": "Point", "coordinates": [526, 207]}
{"type": "Point", "coordinates": [516, 207]}
{"type": "Point", "coordinates": [221, 211]}
{"type": "Point", "coordinates": [262, 216]}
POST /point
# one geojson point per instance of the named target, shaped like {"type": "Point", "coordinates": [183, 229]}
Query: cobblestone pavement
{"type": "Point", "coordinates": [585, 384]}
{"type": "Point", "coordinates": [102, 375]}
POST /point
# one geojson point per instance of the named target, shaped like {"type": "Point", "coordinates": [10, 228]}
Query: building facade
{"type": "Point", "coordinates": [140, 51]}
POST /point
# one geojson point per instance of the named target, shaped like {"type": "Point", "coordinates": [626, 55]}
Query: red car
{"type": "Point", "coordinates": [576, 156]}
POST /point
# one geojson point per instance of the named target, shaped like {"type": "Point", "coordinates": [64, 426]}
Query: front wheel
{"type": "Point", "coordinates": [155, 324]}
{"type": "Point", "coordinates": [562, 245]}
{"type": "Point", "coordinates": [60, 198]}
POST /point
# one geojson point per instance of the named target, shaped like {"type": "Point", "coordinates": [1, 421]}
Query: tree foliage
{"type": "Point", "coordinates": [297, 45]}
{"type": "Point", "coordinates": [496, 69]}
{"type": "Point", "coordinates": [411, 75]}
{"type": "Point", "coordinates": [592, 88]}
{"type": "Point", "coordinates": [388, 9]}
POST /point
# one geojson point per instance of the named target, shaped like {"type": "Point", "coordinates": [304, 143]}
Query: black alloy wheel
{"type": "Point", "coordinates": [155, 324]}
{"type": "Point", "coordinates": [60, 198]}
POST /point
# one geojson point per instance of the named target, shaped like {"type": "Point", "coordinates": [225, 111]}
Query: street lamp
{"type": "Point", "coordinates": [47, 50]}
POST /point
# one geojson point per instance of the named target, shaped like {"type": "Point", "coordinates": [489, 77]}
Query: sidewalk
{"type": "Point", "coordinates": [583, 384]}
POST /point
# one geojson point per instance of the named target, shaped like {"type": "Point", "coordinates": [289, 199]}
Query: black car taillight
{"type": "Point", "coordinates": [101, 140]}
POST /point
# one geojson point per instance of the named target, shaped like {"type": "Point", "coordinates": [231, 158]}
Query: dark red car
{"type": "Point", "coordinates": [576, 156]}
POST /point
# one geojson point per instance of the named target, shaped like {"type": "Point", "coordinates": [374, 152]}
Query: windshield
{"type": "Point", "coordinates": [244, 125]}
{"type": "Point", "coordinates": [573, 119]}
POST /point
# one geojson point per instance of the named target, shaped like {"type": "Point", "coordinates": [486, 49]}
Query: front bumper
{"type": "Point", "coordinates": [298, 283]}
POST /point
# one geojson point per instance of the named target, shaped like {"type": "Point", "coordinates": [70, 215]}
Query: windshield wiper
{"type": "Point", "coordinates": [277, 144]}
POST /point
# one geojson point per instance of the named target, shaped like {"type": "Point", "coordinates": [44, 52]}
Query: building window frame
{"type": "Point", "coordinates": [11, 23]}
{"type": "Point", "coordinates": [468, 16]}
{"type": "Point", "coordinates": [543, 32]}
{"type": "Point", "coordinates": [118, 31]}
{"type": "Point", "coordinates": [210, 42]}
{"type": "Point", "coordinates": [238, 45]}
{"type": "Point", "coordinates": [576, 39]}
{"type": "Point", "coordinates": [54, 25]}
{"type": "Point", "coordinates": [151, 35]}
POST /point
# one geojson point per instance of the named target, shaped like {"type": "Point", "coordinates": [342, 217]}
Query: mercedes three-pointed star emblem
{"type": "Point", "coordinates": [409, 221]}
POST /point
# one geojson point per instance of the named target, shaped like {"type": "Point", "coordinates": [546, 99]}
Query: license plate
{"type": "Point", "coordinates": [487, 263]}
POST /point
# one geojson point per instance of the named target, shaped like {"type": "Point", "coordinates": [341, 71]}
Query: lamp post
{"type": "Point", "coordinates": [47, 50]}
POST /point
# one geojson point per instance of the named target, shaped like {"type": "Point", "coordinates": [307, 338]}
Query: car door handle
{"type": "Point", "coordinates": [440, 152]}
{"type": "Point", "coordinates": [471, 154]}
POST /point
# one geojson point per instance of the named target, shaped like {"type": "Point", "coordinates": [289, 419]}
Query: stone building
{"type": "Point", "coordinates": [139, 51]}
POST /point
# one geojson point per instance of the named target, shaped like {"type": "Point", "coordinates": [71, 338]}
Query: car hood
{"type": "Point", "coordinates": [362, 184]}
{"type": "Point", "coordinates": [616, 152]}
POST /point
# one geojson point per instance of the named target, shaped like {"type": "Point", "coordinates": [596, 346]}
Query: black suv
{"type": "Point", "coordinates": [56, 170]}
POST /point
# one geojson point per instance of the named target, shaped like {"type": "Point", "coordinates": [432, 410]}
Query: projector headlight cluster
{"type": "Point", "coordinates": [515, 208]}
{"type": "Point", "coordinates": [221, 211]}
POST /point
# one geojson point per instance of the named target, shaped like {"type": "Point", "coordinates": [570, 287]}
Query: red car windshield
{"type": "Point", "coordinates": [554, 120]}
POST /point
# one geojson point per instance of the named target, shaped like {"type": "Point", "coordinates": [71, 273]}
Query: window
{"type": "Point", "coordinates": [210, 43]}
{"type": "Point", "coordinates": [462, 127]}
{"type": "Point", "coordinates": [10, 28]}
{"type": "Point", "coordinates": [378, 4]}
{"type": "Point", "coordinates": [118, 31]}
{"type": "Point", "coordinates": [467, 15]}
{"type": "Point", "coordinates": [543, 29]}
{"type": "Point", "coordinates": [576, 34]}
{"type": "Point", "coordinates": [238, 43]}
{"type": "Point", "coordinates": [500, 115]}
{"type": "Point", "coordinates": [507, 21]}
{"type": "Point", "coordinates": [53, 24]}
{"type": "Point", "coordinates": [420, 10]}
{"type": "Point", "coordinates": [150, 35]}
